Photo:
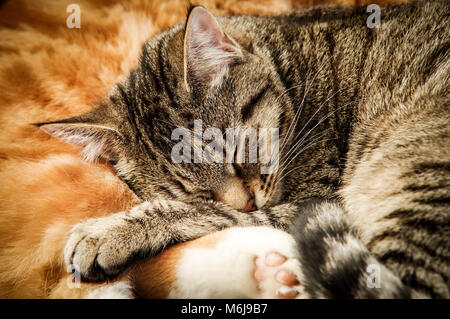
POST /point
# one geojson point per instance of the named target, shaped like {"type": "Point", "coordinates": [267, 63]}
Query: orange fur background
{"type": "Point", "coordinates": [50, 72]}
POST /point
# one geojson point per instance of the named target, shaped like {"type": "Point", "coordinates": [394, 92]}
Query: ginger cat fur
{"type": "Point", "coordinates": [49, 72]}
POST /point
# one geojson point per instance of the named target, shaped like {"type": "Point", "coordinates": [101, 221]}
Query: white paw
{"type": "Point", "coordinates": [278, 276]}
{"type": "Point", "coordinates": [228, 269]}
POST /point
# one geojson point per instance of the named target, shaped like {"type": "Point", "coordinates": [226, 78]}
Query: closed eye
{"type": "Point", "coordinates": [238, 169]}
{"type": "Point", "coordinates": [205, 196]}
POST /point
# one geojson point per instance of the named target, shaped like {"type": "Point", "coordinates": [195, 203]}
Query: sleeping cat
{"type": "Point", "coordinates": [363, 121]}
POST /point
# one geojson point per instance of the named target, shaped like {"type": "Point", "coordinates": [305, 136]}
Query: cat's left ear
{"type": "Point", "coordinates": [208, 51]}
{"type": "Point", "coordinates": [96, 140]}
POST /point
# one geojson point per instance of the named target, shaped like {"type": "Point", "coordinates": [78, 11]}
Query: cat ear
{"type": "Point", "coordinates": [208, 51]}
{"type": "Point", "coordinates": [97, 141]}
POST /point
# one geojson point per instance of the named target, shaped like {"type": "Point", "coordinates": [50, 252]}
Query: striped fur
{"type": "Point", "coordinates": [335, 263]}
{"type": "Point", "coordinates": [363, 117]}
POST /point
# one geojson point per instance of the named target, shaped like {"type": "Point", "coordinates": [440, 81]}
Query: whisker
{"type": "Point", "coordinates": [281, 174]}
{"type": "Point", "coordinates": [304, 149]}
{"type": "Point", "coordinates": [320, 107]}
{"type": "Point", "coordinates": [327, 116]}
{"type": "Point", "coordinates": [296, 113]}
{"type": "Point", "coordinates": [323, 119]}
{"type": "Point", "coordinates": [298, 134]}
{"type": "Point", "coordinates": [286, 163]}
{"type": "Point", "coordinates": [302, 142]}
{"type": "Point", "coordinates": [300, 109]}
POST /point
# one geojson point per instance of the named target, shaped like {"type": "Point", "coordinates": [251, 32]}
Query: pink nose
{"type": "Point", "coordinates": [249, 207]}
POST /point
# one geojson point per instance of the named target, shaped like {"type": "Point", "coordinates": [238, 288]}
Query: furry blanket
{"type": "Point", "coordinates": [47, 72]}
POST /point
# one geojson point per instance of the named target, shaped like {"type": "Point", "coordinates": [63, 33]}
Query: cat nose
{"type": "Point", "coordinates": [235, 194]}
{"type": "Point", "coordinates": [249, 207]}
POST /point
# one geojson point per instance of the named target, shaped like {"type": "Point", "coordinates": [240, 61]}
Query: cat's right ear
{"type": "Point", "coordinates": [208, 51]}
{"type": "Point", "coordinates": [97, 141]}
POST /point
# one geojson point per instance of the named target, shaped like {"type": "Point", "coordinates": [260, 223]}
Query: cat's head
{"type": "Point", "coordinates": [192, 73]}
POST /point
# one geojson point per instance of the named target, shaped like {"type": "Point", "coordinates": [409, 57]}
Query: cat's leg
{"type": "Point", "coordinates": [330, 256]}
{"type": "Point", "coordinates": [324, 259]}
{"type": "Point", "coordinates": [101, 248]}
{"type": "Point", "coordinates": [334, 263]}
{"type": "Point", "coordinates": [224, 265]}
{"type": "Point", "coordinates": [396, 190]}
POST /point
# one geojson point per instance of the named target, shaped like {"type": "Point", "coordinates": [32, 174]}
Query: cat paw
{"type": "Point", "coordinates": [241, 262]}
{"type": "Point", "coordinates": [278, 276]}
{"type": "Point", "coordinates": [95, 250]}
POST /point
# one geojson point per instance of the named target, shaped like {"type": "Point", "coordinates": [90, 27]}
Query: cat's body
{"type": "Point", "coordinates": [378, 98]}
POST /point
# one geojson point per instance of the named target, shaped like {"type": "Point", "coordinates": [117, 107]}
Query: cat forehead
{"type": "Point", "coordinates": [155, 88]}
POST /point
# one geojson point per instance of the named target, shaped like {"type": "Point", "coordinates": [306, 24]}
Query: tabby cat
{"type": "Point", "coordinates": [364, 165]}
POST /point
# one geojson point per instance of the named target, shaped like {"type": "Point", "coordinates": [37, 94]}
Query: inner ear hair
{"type": "Point", "coordinates": [208, 51]}
{"type": "Point", "coordinates": [97, 140]}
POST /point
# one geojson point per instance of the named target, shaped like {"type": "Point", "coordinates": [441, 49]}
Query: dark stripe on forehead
{"type": "Point", "coordinates": [149, 73]}
{"type": "Point", "coordinates": [135, 114]}
{"type": "Point", "coordinates": [248, 109]}
{"type": "Point", "coordinates": [162, 74]}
